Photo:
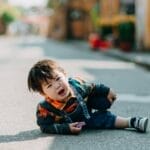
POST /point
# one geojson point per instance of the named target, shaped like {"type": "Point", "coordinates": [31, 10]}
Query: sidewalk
{"type": "Point", "coordinates": [139, 58]}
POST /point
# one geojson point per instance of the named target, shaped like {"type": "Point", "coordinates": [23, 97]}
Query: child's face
{"type": "Point", "coordinates": [57, 88]}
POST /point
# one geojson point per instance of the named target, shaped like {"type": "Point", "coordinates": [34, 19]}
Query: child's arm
{"type": "Point", "coordinates": [97, 89]}
{"type": "Point", "coordinates": [64, 128]}
{"type": "Point", "coordinates": [76, 127]}
{"type": "Point", "coordinates": [48, 125]}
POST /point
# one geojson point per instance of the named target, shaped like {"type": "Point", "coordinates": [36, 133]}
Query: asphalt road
{"type": "Point", "coordinates": [18, 129]}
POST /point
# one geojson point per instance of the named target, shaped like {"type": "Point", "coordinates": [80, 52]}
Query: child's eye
{"type": "Point", "coordinates": [49, 85]}
{"type": "Point", "coordinates": [58, 78]}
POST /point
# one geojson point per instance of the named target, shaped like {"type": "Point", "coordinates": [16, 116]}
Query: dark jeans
{"type": "Point", "coordinates": [101, 119]}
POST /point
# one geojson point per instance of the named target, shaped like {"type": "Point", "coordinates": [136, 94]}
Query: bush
{"type": "Point", "coordinates": [126, 35]}
{"type": "Point", "coordinates": [126, 31]}
{"type": "Point", "coordinates": [7, 18]}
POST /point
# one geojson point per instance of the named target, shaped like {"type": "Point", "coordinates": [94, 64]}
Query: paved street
{"type": "Point", "coordinates": [18, 129]}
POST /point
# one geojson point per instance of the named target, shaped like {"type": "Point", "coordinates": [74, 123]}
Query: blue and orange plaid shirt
{"type": "Point", "coordinates": [50, 122]}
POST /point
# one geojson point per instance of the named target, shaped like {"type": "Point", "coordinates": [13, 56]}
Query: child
{"type": "Point", "coordinates": [68, 103]}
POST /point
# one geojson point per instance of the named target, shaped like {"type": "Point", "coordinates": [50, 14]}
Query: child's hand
{"type": "Point", "coordinates": [74, 128]}
{"type": "Point", "coordinates": [111, 96]}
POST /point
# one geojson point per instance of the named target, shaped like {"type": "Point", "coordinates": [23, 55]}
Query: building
{"type": "Point", "coordinates": [38, 19]}
{"type": "Point", "coordinates": [71, 19]}
{"type": "Point", "coordinates": [143, 24]}
{"type": "Point", "coordinates": [76, 19]}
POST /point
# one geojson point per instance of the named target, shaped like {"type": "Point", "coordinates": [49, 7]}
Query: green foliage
{"type": "Point", "coordinates": [126, 31]}
{"type": "Point", "coordinates": [94, 13]}
{"type": "Point", "coordinates": [55, 3]}
{"type": "Point", "coordinates": [9, 13]}
{"type": "Point", "coordinates": [7, 17]}
{"type": "Point", "coordinates": [50, 4]}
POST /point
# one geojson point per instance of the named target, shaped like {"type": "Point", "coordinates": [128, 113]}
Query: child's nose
{"type": "Point", "coordinates": [57, 85]}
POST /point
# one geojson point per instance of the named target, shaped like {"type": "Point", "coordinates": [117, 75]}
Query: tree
{"type": "Point", "coordinates": [7, 17]}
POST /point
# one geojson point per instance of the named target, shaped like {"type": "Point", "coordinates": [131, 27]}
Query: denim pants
{"type": "Point", "coordinates": [102, 118]}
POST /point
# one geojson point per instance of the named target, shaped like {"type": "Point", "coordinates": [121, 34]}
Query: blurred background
{"type": "Point", "coordinates": [124, 24]}
{"type": "Point", "coordinates": [104, 41]}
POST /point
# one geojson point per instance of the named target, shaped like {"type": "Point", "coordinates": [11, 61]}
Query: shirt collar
{"type": "Point", "coordinates": [59, 104]}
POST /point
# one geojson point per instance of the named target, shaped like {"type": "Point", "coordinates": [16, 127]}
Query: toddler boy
{"type": "Point", "coordinates": [68, 102]}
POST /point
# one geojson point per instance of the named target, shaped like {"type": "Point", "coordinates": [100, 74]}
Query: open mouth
{"type": "Point", "coordinates": [61, 92]}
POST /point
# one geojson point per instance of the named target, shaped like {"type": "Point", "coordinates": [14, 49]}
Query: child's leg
{"type": "Point", "coordinates": [139, 123]}
{"type": "Point", "coordinates": [122, 122]}
{"type": "Point", "coordinates": [101, 120]}
{"type": "Point", "coordinates": [99, 103]}
{"type": "Point", "coordinates": [107, 120]}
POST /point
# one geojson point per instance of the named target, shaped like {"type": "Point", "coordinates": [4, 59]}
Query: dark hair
{"type": "Point", "coordinates": [41, 72]}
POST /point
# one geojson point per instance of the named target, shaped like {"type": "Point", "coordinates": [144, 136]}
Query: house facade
{"type": "Point", "coordinates": [76, 19]}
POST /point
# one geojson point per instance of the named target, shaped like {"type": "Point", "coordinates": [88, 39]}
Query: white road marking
{"type": "Point", "coordinates": [99, 64]}
{"type": "Point", "coordinates": [133, 98]}
{"type": "Point", "coordinates": [76, 67]}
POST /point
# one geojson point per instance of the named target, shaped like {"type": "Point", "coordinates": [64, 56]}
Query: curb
{"type": "Point", "coordinates": [128, 57]}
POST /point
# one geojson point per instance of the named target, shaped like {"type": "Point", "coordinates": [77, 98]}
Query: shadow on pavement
{"type": "Point", "coordinates": [22, 136]}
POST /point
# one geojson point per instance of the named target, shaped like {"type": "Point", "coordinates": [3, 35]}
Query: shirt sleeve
{"type": "Point", "coordinates": [87, 87]}
{"type": "Point", "coordinates": [90, 88]}
{"type": "Point", "coordinates": [47, 124]}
